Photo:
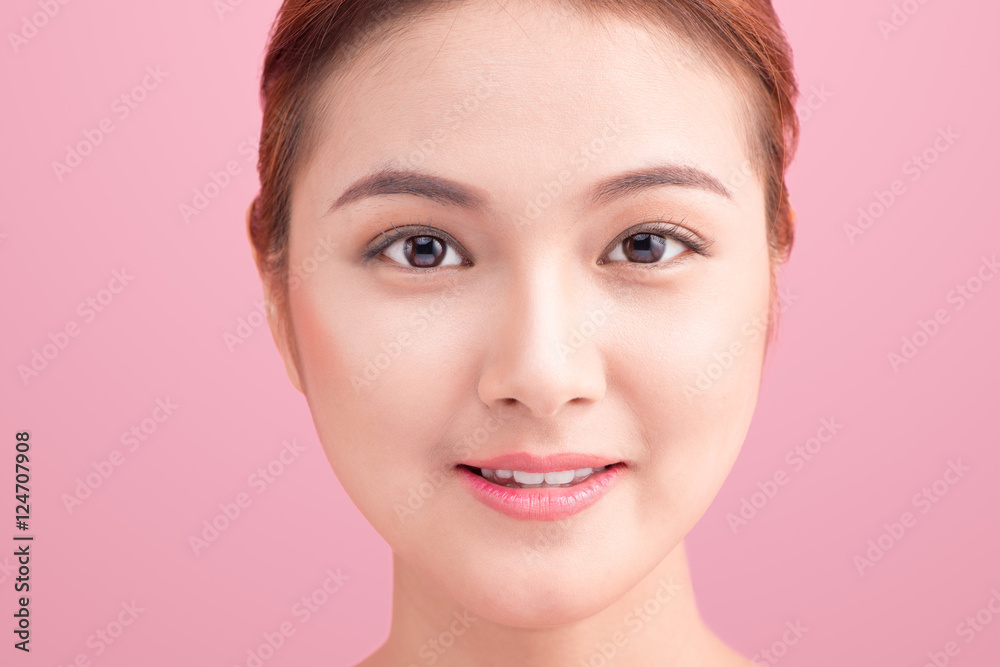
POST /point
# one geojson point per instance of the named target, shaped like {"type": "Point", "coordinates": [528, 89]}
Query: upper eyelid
{"type": "Point", "coordinates": [695, 241]}
{"type": "Point", "coordinates": [387, 238]}
{"type": "Point", "coordinates": [663, 227]}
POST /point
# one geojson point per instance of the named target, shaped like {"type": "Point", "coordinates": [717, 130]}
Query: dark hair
{"type": "Point", "coordinates": [310, 38]}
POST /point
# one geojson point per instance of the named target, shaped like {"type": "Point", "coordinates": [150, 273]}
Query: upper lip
{"type": "Point", "coordinates": [528, 462]}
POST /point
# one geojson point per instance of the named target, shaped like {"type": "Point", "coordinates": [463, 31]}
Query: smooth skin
{"type": "Point", "coordinates": [537, 333]}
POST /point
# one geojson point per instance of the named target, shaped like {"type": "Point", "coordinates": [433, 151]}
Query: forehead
{"type": "Point", "coordinates": [506, 97]}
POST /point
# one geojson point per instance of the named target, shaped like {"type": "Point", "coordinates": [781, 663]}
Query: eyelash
{"type": "Point", "coordinates": [659, 227]}
{"type": "Point", "coordinates": [670, 230]}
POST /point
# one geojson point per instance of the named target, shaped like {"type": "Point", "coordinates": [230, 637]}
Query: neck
{"type": "Point", "coordinates": [656, 622]}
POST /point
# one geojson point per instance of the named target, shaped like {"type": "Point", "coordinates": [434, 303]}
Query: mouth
{"type": "Point", "coordinates": [551, 491]}
{"type": "Point", "coordinates": [522, 479]}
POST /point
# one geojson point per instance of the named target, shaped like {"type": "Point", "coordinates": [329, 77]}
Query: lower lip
{"type": "Point", "coordinates": [541, 504]}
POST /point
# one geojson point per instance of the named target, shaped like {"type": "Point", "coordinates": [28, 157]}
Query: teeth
{"type": "Point", "coordinates": [528, 477]}
{"type": "Point", "coordinates": [520, 478]}
{"type": "Point", "coordinates": [561, 477]}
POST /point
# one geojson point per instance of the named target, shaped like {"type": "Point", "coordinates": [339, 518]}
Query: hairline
{"type": "Point", "coordinates": [751, 106]}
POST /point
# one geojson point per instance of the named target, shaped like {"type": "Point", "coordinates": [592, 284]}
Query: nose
{"type": "Point", "coordinates": [544, 352]}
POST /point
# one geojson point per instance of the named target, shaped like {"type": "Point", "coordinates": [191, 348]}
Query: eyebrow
{"type": "Point", "coordinates": [637, 180]}
{"type": "Point", "coordinates": [388, 181]}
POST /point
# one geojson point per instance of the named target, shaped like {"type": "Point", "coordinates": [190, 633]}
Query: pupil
{"type": "Point", "coordinates": [645, 248]}
{"type": "Point", "coordinates": [424, 251]}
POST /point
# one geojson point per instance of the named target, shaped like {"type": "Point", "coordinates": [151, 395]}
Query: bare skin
{"type": "Point", "coordinates": [539, 328]}
{"type": "Point", "coordinates": [669, 629]}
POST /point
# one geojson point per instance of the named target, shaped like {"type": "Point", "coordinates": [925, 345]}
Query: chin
{"type": "Point", "coordinates": [545, 584]}
{"type": "Point", "coordinates": [548, 604]}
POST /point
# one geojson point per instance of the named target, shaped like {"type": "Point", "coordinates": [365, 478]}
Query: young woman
{"type": "Point", "coordinates": [520, 260]}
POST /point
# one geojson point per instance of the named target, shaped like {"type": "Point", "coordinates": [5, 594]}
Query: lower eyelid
{"type": "Point", "coordinates": [689, 249]}
{"type": "Point", "coordinates": [686, 250]}
{"type": "Point", "coordinates": [449, 247]}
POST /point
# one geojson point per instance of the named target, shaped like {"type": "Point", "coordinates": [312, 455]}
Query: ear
{"type": "Point", "coordinates": [275, 321]}
{"type": "Point", "coordinates": [279, 332]}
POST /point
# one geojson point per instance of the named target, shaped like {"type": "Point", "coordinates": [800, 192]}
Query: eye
{"type": "Point", "coordinates": [418, 248]}
{"type": "Point", "coordinates": [424, 252]}
{"type": "Point", "coordinates": [646, 249]}
{"type": "Point", "coordinates": [656, 244]}
{"type": "Point", "coordinates": [424, 247]}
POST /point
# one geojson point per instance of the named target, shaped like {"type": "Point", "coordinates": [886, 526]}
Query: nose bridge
{"type": "Point", "coordinates": [543, 355]}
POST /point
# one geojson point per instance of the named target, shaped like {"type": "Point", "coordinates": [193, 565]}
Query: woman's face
{"type": "Point", "coordinates": [537, 320]}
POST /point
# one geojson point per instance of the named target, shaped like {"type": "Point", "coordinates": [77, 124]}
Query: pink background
{"type": "Point", "coordinates": [162, 336]}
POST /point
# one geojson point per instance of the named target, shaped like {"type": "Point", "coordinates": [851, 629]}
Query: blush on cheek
{"type": "Point", "coordinates": [725, 392]}
{"type": "Point", "coordinates": [732, 362]}
{"type": "Point", "coordinates": [335, 340]}
{"type": "Point", "coordinates": [368, 394]}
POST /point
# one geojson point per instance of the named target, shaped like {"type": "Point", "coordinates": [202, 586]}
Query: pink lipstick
{"type": "Point", "coordinates": [528, 487]}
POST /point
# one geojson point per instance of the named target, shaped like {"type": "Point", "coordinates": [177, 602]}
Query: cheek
{"type": "Point", "coordinates": [698, 378]}
{"type": "Point", "coordinates": [367, 370]}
